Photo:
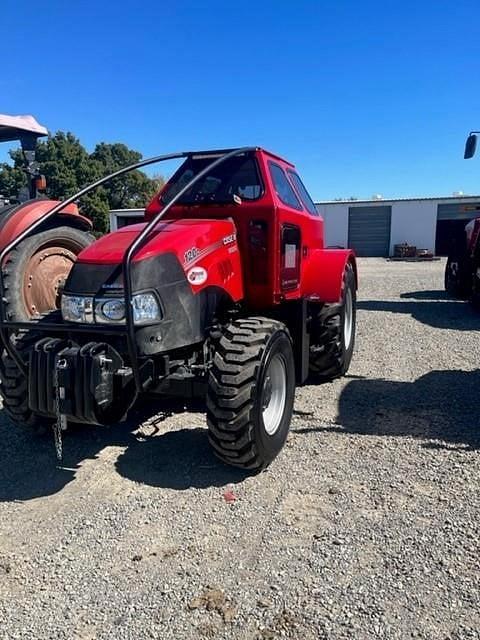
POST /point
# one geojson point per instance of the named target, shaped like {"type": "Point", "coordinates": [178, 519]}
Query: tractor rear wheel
{"type": "Point", "coordinates": [36, 269]}
{"type": "Point", "coordinates": [332, 333]}
{"type": "Point", "coordinates": [251, 389]}
{"type": "Point", "coordinates": [14, 385]}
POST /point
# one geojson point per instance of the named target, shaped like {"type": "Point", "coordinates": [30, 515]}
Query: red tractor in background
{"type": "Point", "coordinates": [35, 268]}
{"type": "Point", "coordinates": [225, 292]}
{"type": "Point", "coordinates": [462, 271]}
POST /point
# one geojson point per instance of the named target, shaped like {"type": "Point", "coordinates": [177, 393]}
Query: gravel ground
{"type": "Point", "coordinates": [366, 526]}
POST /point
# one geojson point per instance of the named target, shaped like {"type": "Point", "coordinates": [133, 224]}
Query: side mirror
{"type": "Point", "coordinates": [470, 146]}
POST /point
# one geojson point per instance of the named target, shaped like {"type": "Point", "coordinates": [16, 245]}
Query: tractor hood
{"type": "Point", "coordinates": [198, 252]}
{"type": "Point", "coordinates": [188, 239]}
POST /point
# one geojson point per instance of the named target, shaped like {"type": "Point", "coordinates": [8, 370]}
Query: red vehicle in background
{"type": "Point", "coordinates": [226, 291]}
{"type": "Point", "coordinates": [36, 267]}
{"type": "Point", "coordinates": [462, 272]}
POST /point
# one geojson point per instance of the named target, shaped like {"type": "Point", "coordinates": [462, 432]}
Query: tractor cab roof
{"type": "Point", "coordinates": [18, 127]}
{"type": "Point", "coordinates": [213, 153]}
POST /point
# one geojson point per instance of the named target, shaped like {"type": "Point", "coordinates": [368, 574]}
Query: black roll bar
{"type": "Point", "coordinates": [137, 243]}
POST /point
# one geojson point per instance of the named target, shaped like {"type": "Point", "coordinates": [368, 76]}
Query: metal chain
{"type": "Point", "coordinates": [60, 423]}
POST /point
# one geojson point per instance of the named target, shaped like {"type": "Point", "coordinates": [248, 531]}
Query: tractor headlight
{"type": "Point", "coordinates": [110, 310]}
{"type": "Point", "coordinates": [77, 308]}
{"type": "Point", "coordinates": [145, 308]}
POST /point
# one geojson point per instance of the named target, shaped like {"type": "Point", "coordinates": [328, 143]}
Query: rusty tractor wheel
{"type": "Point", "coordinates": [36, 269]}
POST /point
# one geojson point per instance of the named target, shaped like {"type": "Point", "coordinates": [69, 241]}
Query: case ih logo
{"type": "Point", "coordinates": [197, 275]}
{"type": "Point", "coordinates": [229, 239]}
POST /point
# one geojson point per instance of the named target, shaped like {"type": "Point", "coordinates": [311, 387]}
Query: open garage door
{"type": "Point", "coordinates": [451, 221]}
{"type": "Point", "coordinates": [369, 230]}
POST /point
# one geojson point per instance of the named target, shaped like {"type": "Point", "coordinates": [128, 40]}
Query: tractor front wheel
{"type": "Point", "coordinates": [251, 390]}
{"type": "Point", "coordinates": [36, 269]}
{"type": "Point", "coordinates": [14, 385]}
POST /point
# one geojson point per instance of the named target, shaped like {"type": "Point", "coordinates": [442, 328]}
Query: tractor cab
{"type": "Point", "coordinates": [277, 225]}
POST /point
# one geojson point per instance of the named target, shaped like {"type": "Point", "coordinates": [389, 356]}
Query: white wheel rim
{"type": "Point", "coordinates": [348, 322]}
{"type": "Point", "coordinates": [274, 394]}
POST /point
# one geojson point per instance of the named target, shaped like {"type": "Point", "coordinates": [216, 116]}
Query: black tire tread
{"type": "Point", "coordinates": [14, 385]}
{"type": "Point", "coordinates": [327, 357]}
{"type": "Point", "coordinates": [231, 388]}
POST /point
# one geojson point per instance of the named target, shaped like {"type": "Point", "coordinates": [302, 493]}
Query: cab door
{"type": "Point", "coordinates": [291, 219]}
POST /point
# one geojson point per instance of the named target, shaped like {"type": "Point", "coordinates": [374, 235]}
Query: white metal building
{"type": "Point", "coordinates": [122, 217]}
{"type": "Point", "coordinates": [373, 227]}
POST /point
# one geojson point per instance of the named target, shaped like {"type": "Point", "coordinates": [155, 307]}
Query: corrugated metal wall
{"type": "Point", "coordinates": [369, 230]}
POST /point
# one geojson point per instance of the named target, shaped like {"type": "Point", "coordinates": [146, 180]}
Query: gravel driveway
{"type": "Point", "coordinates": [367, 525]}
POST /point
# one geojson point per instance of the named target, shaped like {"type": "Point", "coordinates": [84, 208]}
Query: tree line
{"type": "Point", "coordinates": [68, 167]}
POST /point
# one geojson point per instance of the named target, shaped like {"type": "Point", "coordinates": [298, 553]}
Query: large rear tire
{"type": "Point", "coordinates": [251, 389]}
{"type": "Point", "coordinates": [332, 333]}
{"type": "Point", "coordinates": [36, 268]}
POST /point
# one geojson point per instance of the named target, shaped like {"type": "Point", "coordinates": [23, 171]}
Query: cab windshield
{"type": "Point", "coordinates": [237, 176]}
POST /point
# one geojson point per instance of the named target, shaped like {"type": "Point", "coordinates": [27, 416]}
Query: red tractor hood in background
{"type": "Point", "coordinates": [25, 214]}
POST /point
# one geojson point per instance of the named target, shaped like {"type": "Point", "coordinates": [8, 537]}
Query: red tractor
{"type": "Point", "coordinates": [462, 271]}
{"type": "Point", "coordinates": [35, 268]}
{"type": "Point", "coordinates": [226, 291]}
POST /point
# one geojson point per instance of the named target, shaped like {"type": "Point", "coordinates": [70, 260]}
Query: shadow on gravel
{"type": "Point", "coordinates": [433, 308]}
{"type": "Point", "coordinates": [29, 468]}
{"type": "Point", "coordinates": [177, 459]}
{"type": "Point", "coordinates": [423, 294]}
{"type": "Point", "coordinates": [441, 406]}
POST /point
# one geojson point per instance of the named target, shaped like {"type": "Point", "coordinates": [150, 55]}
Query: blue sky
{"type": "Point", "coordinates": [364, 97]}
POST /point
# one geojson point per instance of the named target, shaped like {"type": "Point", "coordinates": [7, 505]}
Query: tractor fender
{"type": "Point", "coordinates": [323, 274]}
{"type": "Point", "coordinates": [25, 214]}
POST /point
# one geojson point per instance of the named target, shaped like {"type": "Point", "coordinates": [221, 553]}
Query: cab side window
{"type": "Point", "coordinates": [283, 188]}
{"type": "Point", "coordinates": [303, 193]}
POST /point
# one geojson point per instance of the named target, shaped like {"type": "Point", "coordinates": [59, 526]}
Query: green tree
{"type": "Point", "coordinates": [12, 180]}
{"type": "Point", "coordinates": [66, 164]}
{"type": "Point", "coordinates": [133, 190]}
{"type": "Point", "coordinates": [68, 167]}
